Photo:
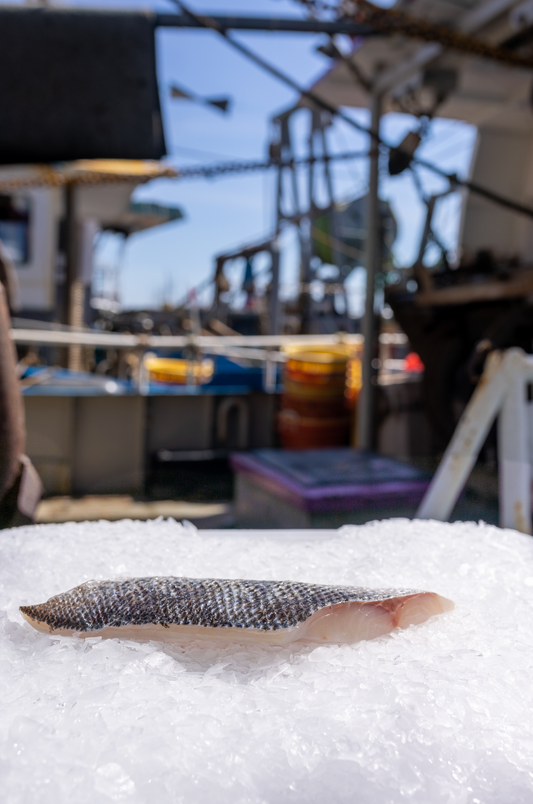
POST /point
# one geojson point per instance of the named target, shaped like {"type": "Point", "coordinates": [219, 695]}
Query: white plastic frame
{"type": "Point", "coordinates": [500, 391]}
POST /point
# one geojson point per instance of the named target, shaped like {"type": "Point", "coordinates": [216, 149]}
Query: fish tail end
{"type": "Point", "coordinates": [31, 616]}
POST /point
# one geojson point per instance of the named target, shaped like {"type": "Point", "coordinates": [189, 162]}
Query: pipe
{"type": "Point", "coordinates": [274, 290]}
{"type": "Point", "coordinates": [228, 22]}
{"type": "Point", "coordinates": [366, 407]}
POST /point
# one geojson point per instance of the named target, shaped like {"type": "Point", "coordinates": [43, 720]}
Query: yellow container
{"type": "Point", "coordinates": [321, 371]}
{"type": "Point", "coordinates": [354, 375]}
{"type": "Point", "coordinates": [320, 391]}
{"type": "Point", "coordinates": [180, 372]}
{"type": "Point", "coordinates": [319, 359]}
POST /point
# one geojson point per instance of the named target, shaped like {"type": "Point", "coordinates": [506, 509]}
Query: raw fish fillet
{"type": "Point", "coordinates": [269, 612]}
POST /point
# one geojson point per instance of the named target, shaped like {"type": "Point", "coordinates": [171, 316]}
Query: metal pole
{"type": "Point", "coordinates": [73, 301]}
{"type": "Point", "coordinates": [274, 310]}
{"type": "Point", "coordinates": [274, 288]}
{"type": "Point", "coordinates": [305, 275]}
{"type": "Point", "coordinates": [69, 247]}
{"type": "Point", "coordinates": [305, 226]}
{"type": "Point", "coordinates": [366, 407]}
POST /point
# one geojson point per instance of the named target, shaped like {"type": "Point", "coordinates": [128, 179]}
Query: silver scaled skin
{"type": "Point", "coordinates": [266, 612]}
{"type": "Point", "coordinates": [263, 605]}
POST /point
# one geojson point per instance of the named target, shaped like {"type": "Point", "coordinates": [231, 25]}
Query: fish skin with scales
{"type": "Point", "coordinates": [262, 607]}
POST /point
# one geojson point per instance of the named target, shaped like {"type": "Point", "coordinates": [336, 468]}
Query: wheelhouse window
{"type": "Point", "coordinates": [15, 227]}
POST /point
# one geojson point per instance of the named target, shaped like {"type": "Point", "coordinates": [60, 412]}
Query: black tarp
{"type": "Point", "coordinates": [78, 84]}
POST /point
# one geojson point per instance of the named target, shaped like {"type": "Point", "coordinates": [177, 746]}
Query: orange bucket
{"type": "Point", "coordinates": [320, 382]}
{"type": "Point", "coordinates": [301, 432]}
{"type": "Point", "coordinates": [316, 408]}
{"type": "Point", "coordinates": [305, 391]}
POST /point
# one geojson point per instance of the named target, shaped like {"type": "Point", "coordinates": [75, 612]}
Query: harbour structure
{"type": "Point", "coordinates": [442, 84]}
{"type": "Point", "coordinates": [464, 305]}
{"type": "Point", "coordinates": [473, 65]}
{"type": "Point", "coordinates": [41, 206]}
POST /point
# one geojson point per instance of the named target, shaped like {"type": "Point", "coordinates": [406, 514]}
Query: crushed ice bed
{"type": "Point", "coordinates": [440, 712]}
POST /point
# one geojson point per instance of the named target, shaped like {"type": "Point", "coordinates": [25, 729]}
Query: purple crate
{"type": "Point", "coordinates": [319, 480]}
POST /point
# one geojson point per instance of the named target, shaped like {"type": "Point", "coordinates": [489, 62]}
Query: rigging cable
{"type": "Point", "coordinates": [221, 168]}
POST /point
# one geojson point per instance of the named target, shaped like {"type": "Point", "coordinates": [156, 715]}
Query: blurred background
{"type": "Point", "coordinates": [255, 263]}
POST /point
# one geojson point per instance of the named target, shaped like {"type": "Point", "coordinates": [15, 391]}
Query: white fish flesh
{"type": "Point", "coordinates": [268, 612]}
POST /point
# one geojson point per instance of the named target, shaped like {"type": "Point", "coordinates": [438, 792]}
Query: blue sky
{"type": "Point", "coordinates": [163, 264]}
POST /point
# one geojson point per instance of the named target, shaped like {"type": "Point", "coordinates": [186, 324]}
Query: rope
{"type": "Point", "coordinates": [221, 168]}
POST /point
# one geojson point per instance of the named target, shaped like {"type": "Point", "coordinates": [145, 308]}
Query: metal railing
{"type": "Point", "coordinates": [118, 340]}
{"type": "Point", "coordinates": [254, 349]}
